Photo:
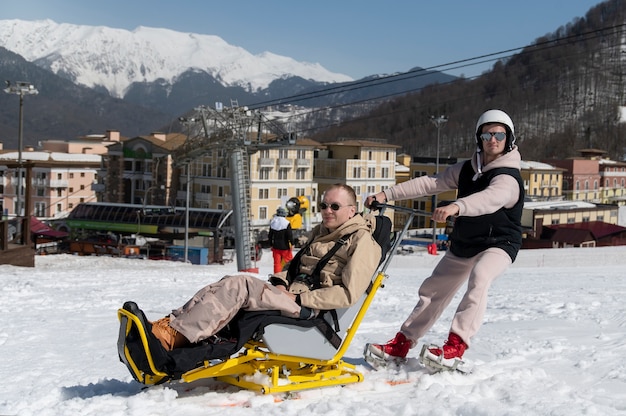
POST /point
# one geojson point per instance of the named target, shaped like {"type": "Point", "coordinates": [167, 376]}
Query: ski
{"type": "Point", "coordinates": [376, 361]}
{"type": "Point", "coordinates": [439, 364]}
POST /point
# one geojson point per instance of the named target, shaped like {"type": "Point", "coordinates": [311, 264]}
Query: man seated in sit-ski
{"type": "Point", "coordinates": [293, 292]}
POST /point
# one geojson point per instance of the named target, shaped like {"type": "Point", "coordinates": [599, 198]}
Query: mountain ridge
{"type": "Point", "coordinates": [114, 59]}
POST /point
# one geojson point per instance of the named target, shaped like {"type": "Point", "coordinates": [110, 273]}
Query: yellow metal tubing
{"type": "Point", "coordinates": [147, 379]}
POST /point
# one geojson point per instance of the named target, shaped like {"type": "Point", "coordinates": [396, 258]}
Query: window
{"type": "Point", "coordinates": [301, 154]}
{"type": "Point", "coordinates": [370, 155]}
{"type": "Point", "coordinates": [82, 174]}
{"type": "Point", "coordinates": [300, 173]}
{"type": "Point", "coordinates": [220, 191]}
{"type": "Point", "coordinates": [371, 172]}
{"type": "Point", "coordinates": [282, 174]}
{"type": "Point", "coordinates": [264, 174]}
{"type": "Point", "coordinates": [385, 172]}
{"type": "Point", "coordinates": [263, 213]}
{"type": "Point", "coordinates": [263, 193]}
{"type": "Point", "coordinates": [40, 209]}
{"type": "Point", "coordinates": [282, 192]}
{"type": "Point", "coordinates": [71, 176]}
{"type": "Point", "coordinates": [283, 153]}
{"type": "Point", "coordinates": [356, 172]}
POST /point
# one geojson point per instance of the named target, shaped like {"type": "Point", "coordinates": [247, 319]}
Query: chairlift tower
{"type": "Point", "coordinates": [232, 130]}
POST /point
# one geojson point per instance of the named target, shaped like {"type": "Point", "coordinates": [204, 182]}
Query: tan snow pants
{"type": "Point", "coordinates": [213, 306]}
{"type": "Point", "coordinates": [438, 290]}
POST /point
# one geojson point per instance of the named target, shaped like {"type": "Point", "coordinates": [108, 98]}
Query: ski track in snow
{"type": "Point", "coordinates": [553, 342]}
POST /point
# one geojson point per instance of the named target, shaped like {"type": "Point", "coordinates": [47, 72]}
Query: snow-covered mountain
{"type": "Point", "coordinates": [113, 59]}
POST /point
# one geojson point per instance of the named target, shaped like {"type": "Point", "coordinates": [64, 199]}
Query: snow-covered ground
{"type": "Point", "coordinates": [553, 342]}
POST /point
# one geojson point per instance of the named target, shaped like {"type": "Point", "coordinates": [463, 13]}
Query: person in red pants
{"type": "Point", "coordinates": [281, 239]}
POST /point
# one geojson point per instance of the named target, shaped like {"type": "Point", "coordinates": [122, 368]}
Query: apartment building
{"type": "Point", "coordinates": [140, 170]}
{"type": "Point", "coordinates": [542, 181]}
{"type": "Point", "coordinates": [613, 180]}
{"type": "Point", "coordinates": [278, 174]}
{"type": "Point", "coordinates": [423, 166]}
{"type": "Point", "coordinates": [369, 166]}
{"type": "Point", "coordinates": [57, 182]}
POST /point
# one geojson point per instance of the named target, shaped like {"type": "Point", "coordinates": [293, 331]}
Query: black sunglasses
{"type": "Point", "coordinates": [499, 136]}
{"type": "Point", "coordinates": [334, 206]}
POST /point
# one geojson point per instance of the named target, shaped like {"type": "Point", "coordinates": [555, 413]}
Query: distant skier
{"type": "Point", "coordinates": [281, 239]}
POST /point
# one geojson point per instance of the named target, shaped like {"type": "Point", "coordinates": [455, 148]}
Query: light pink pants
{"type": "Point", "coordinates": [213, 306]}
{"type": "Point", "coordinates": [437, 291]}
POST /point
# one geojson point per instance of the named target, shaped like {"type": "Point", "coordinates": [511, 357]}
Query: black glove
{"type": "Point", "coordinates": [275, 281]}
{"type": "Point", "coordinates": [306, 313]}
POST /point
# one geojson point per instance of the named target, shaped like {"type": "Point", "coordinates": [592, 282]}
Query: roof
{"type": "Point", "coordinates": [570, 236]}
{"type": "Point", "coordinates": [362, 143]}
{"type": "Point", "coordinates": [598, 229]}
{"type": "Point", "coordinates": [39, 228]}
{"type": "Point", "coordinates": [558, 205]}
{"type": "Point", "coordinates": [38, 156]}
{"type": "Point", "coordinates": [530, 164]}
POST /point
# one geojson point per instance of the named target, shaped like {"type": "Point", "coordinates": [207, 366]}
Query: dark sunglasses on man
{"type": "Point", "coordinates": [499, 136]}
{"type": "Point", "coordinates": [334, 206]}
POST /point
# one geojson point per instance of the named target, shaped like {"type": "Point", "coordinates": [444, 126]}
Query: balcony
{"type": "Point", "coordinates": [204, 197]}
{"type": "Point", "coordinates": [303, 163]}
{"type": "Point", "coordinates": [59, 183]}
{"type": "Point", "coordinates": [285, 163]}
{"type": "Point", "coordinates": [266, 162]}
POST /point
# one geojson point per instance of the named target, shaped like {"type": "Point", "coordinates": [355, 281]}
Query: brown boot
{"type": "Point", "coordinates": [169, 337]}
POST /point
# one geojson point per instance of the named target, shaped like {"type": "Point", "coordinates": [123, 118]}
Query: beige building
{"type": "Point", "coordinates": [278, 174]}
{"type": "Point", "coordinates": [542, 182]}
{"type": "Point", "coordinates": [369, 166]}
{"type": "Point", "coordinates": [423, 166]}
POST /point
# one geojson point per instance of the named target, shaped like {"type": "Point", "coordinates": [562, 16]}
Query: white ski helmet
{"type": "Point", "coordinates": [500, 117]}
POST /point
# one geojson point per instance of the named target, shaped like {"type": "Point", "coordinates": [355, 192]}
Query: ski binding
{"type": "Point", "coordinates": [438, 363]}
{"type": "Point", "coordinates": [378, 359]}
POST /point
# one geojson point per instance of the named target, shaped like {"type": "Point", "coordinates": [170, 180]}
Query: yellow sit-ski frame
{"type": "Point", "coordinates": [283, 372]}
{"type": "Point", "coordinates": [257, 367]}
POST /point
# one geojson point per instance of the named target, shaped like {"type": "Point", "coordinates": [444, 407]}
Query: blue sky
{"type": "Point", "coordinates": [353, 37]}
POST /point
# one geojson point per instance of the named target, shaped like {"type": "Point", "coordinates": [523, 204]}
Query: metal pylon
{"type": "Point", "coordinates": [240, 184]}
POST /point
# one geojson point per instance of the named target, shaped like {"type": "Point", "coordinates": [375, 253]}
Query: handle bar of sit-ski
{"type": "Point", "coordinates": [378, 206]}
{"type": "Point", "coordinates": [375, 206]}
